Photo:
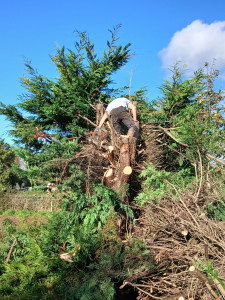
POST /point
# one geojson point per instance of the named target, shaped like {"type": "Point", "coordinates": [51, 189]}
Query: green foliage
{"type": "Point", "coordinates": [178, 93]}
{"type": "Point", "coordinates": [86, 215]}
{"type": "Point", "coordinates": [52, 112]}
{"type": "Point", "coordinates": [158, 184]}
{"type": "Point", "coordinates": [195, 110]}
{"type": "Point", "coordinates": [57, 105]}
{"type": "Point", "coordinates": [206, 266]}
{"type": "Point", "coordinates": [145, 108]}
{"type": "Point", "coordinates": [7, 157]}
{"type": "Point", "coordinates": [216, 209]}
{"type": "Point", "coordinates": [94, 287]}
{"type": "Point", "coordinates": [85, 226]}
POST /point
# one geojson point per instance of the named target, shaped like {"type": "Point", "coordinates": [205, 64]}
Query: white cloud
{"type": "Point", "coordinates": [196, 44]}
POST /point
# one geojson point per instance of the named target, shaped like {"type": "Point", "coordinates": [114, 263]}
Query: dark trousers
{"type": "Point", "coordinates": [120, 114]}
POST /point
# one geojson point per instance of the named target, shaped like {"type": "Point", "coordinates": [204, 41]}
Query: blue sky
{"type": "Point", "coordinates": [160, 31]}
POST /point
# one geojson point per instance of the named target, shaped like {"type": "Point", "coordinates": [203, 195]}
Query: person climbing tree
{"type": "Point", "coordinates": [118, 109]}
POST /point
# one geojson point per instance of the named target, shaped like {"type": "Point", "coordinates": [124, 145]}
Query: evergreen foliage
{"type": "Point", "coordinates": [59, 108]}
{"type": "Point", "coordinates": [85, 227]}
{"type": "Point", "coordinates": [195, 112]}
{"type": "Point", "coordinates": [7, 157]}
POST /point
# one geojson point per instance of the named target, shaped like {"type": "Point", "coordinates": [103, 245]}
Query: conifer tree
{"type": "Point", "coordinates": [6, 160]}
{"type": "Point", "coordinates": [54, 112]}
{"type": "Point", "coordinates": [195, 110]}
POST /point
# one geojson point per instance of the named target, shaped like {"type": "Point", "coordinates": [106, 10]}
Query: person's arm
{"type": "Point", "coordinates": [134, 111]}
{"type": "Point", "coordinates": [103, 119]}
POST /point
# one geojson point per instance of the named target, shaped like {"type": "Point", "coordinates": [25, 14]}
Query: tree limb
{"type": "Point", "coordinates": [211, 157]}
{"type": "Point", "coordinates": [86, 119]}
{"type": "Point", "coordinates": [172, 137]}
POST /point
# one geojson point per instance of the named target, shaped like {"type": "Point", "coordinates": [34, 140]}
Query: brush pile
{"type": "Point", "coordinates": [187, 249]}
{"type": "Point", "coordinates": [106, 160]}
{"type": "Point", "coordinates": [186, 245]}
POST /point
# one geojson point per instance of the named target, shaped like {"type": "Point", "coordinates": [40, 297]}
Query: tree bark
{"type": "Point", "coordinates": [109, 176]}
{"type": "Point", "coordinates": [133, 145]}
{"type": "Point", "coordinates": [99, 112]}
{"type": "Point", "coordinates": [124, 170]}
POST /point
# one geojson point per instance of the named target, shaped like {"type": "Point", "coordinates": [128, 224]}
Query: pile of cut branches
{"type": "Point", "coordinates": [188, 248]}
{"type": "Point", "coordinates": [106, 161]}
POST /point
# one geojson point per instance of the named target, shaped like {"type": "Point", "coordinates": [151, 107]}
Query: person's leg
{"type": "Point", "coordinates": [130, 132]}
{"type": "Point", "coordinates": [128, 122]}
{"type": "Point", "coordinates": [116, 123]}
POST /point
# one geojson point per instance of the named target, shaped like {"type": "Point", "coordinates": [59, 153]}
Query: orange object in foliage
{"type": "Point", "coordinates": [97, 134]}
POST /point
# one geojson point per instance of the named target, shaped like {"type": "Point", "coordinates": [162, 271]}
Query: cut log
{"type": "Point", "coordinates": [109, 173]}
{"type": "Point", "coordinates": [125, 175]}
{"type": "Point", "coordinates": [111, 159]}
{"type": "Point", "coordinates": [122, 180]}
{"type": "Point", "coordinates": [124, 139]}
{"type": "Point", "coordinates": [124, 170]}
{"type": "Point", "coordinates": [111, 148]}
{"type": "Point", "coordinates": [109, 178]}
{"type": "Point", "coordinates": [127, 170]}
{"type": "Point", "coordinates": [117, 177]}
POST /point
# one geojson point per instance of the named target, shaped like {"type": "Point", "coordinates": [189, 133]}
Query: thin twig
{"type": "Point", "coordinates": [211, 157]}
{"type": "Point", "coordinates": [137, 287]}
{"type": "Point", "coordinates": [219, 287]}
{"type": "Point", "coordinates": [201, 175]}
{"type": "Point", "coordinates": [11, 250]}
{"type": "Point", "coordinates": [86, 119]}
{"type": "Point", "coordinates": [181, 200]}
{"type": "Point", "coordinates": [172, 137]}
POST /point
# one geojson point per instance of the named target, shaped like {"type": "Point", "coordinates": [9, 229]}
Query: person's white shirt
{"type": "Point", "coordinates": [117, 103]}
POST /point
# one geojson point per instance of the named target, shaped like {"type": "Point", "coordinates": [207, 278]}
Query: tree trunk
{"type": "Point", "coordinates": [121, 154]}
{"type": "Point", "coordinates": [124, 170]}
{"type": "Point", "coordinates": [133, 145]}
{"type": "Point", "coordinates": [99, 112]}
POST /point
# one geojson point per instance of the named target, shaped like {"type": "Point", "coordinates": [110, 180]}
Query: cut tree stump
{"type": "Point", "coordinates": [126, 174]}
{"type": "Point", "coordinates": [121, 153]}
{"type": "Point", "coordinates": [118, 175]}
{"type": "Point", "coordinates": [124, 170]}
